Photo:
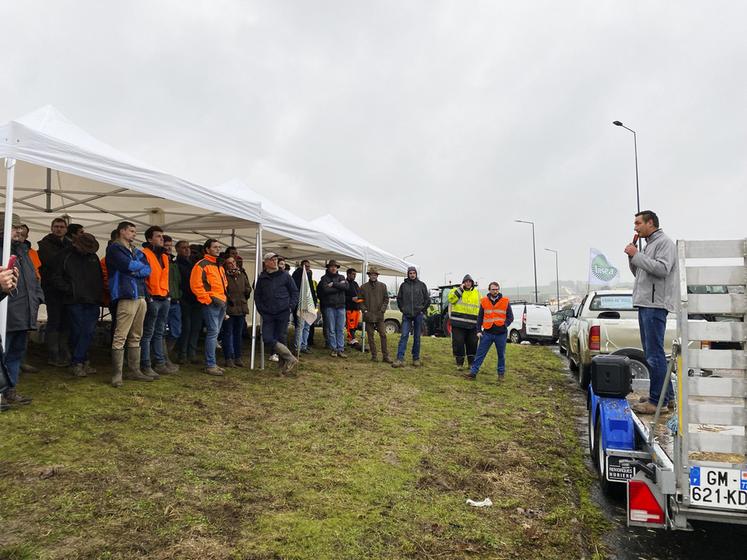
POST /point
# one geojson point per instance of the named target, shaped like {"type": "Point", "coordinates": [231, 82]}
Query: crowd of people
{"type": "Point", "coordinates": [161, 295]}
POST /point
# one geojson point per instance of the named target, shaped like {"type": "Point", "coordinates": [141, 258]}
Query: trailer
{"type": "Point", "coordinates": [688, 464]}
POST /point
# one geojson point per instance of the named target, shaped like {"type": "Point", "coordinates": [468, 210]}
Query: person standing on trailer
{"type": "Point", "coordinates": [655, 294]}
{"type": "Point", "coordinates": [464, 305]}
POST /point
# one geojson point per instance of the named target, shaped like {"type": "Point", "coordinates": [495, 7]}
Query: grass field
{"type": "Point", "coordinates": [347, 460]}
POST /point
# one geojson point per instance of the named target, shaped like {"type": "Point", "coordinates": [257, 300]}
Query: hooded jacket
{"type": "Point", "coordinates": [127, 269]}
{"type": "Point", "coordinates": [79, 278]}
{"type": "Point", "coordinates": [655, 270]}
{"type": "Point", "coordinates": [238, 291]}
{"type": "Point", "coordinates": [413, 298]}
{"type": "Point", "coordinates": [276, 293]}
{"type": "Point", "coordinates": [24, 301]}
{"type": "Point", "coordinates": [334, 295]}
{"type": "Point", "coordinates": [464, 305]}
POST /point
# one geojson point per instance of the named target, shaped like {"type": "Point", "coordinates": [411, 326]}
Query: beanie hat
{"type": "Point", "coordinates": [86, 243]}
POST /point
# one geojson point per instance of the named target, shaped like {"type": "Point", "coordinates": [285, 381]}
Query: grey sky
{"type": "Point", "coordinates": [429, 125]}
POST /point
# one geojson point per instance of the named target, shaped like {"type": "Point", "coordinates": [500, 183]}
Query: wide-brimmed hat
{"type": "Point", "coordinates": [86, 243]}
{"type": "Point", "coordinates": [372, 270]}
{"type": "Point", "coordinates": [333, 263]}
{"type": "Point", "coordinates": [15, 219]}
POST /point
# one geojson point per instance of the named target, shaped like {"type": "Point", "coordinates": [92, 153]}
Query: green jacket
{"type": "Point", "coordinates": [175, 280]}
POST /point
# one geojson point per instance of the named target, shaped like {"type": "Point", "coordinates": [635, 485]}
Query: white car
{"type": "Point", "coordinates": [532, 322]}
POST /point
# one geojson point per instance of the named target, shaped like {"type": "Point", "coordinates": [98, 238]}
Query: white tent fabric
{"type": "Point", "coordinates": [387, 263]}
{"type": "Point", "coordinates": [61, 169]}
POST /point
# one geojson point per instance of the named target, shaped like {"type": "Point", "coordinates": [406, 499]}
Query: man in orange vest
{"type": "Point", "coordinates": [154, 326]}
{"type": "Point", "coordinates": [493, 319]}
{"type": "Point", "coordinates": [208, 283]}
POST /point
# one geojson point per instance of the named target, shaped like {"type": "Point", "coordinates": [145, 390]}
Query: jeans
{"type": "Point", "coordinates": [414, 324]}
{"type": "Point", "coordinates": [153, 328]}
{"type": "Point", "coordinates": [191, 329]}
{"type": "Point", "coordinates": [15, 348]}
{"type": "Point", "coordinates": [233, 329]}
{"type": "Point", "coordinates": [83, 318]}
{"type": "Point", "coordinates": [486, 341]}
{"type": "Point", "coordinates": [174, 320]}
{"type": "Point", "coordinates": [213, 316]}
{"type": "Point", "coordinates": [653, 324]}
{"type": "Point", "coordinates": [274, 330]}
{"type": "Point", "coordinates": [302, 333]}
{"type": "Point", "coordinates": [334, 326]}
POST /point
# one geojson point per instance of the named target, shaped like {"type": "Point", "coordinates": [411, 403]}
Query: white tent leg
{"type": "Point", "coordinates": [254, 306]}
{"type": "Point", "coordinates": [10, 169]}
{"type": "Point", "coordinates": [363, 323]}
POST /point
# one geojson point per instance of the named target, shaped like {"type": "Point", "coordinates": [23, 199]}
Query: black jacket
{"type": "Point", "coordinates": [276, 293]}
{"type": "Point", "coordinates": [297, 279]}
{"type": "Point", "coordinates": [79, 278]}
{"type": "Point", "coordinates": [353, 292]}
{"type": "Point", "coordinates": [413, 297]}
{"type": "Point", "coordinates": [334, 295]}
{"type": "Point", "coordinates": [24, 301]}
{"type": "Point", "coordinates": [185, 271]}
{"type": "Point", "coordinates": [51, 248]}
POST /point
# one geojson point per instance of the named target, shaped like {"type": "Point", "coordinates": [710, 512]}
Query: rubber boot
{"type": "Point", "coordinates": [117, 364]}
{"type": "Point", "coordinates": [79, 370]}
{"type": "Point", "coordinates": [169, 346]}
{"type": "Point", "coordinates": [288, 360]}
{"type": "Point", "coordinates": [53, 348]}
{"type": "Point", "coordinates": [64, 351]}
{"type": "Point", "coordinates": [133, 365]}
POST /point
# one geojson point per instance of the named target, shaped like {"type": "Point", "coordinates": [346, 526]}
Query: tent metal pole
{"type": "Point", "coordinates": [363, 323]}
{"type": "Point", "coordinates": [254, 303]}
{"type": "Point", "coordinates": [233, 237]}
{"type": "Point", "coordinates": [48, 190]}
{"type": "Point", "coordinates": [10, 170]}
{"type": "Point", "coordinates": [260, 265]}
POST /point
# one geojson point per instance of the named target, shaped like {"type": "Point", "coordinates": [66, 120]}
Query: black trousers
{"type": "Point", "coordinates": [464, 343]}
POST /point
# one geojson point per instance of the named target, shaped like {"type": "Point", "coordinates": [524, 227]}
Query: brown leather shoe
{"type": "Point", "coordinates": [645, 408]}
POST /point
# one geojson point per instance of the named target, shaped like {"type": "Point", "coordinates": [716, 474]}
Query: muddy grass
{"type": "Point", "coordinates": [348, 460]}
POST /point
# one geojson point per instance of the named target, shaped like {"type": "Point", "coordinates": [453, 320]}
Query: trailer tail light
{"type": "Point", "coordinates": [643, 507]}
{"type": "Point", "coordinates": [705, 344]}
{"type": "Point", "coordinates": [594, 338]}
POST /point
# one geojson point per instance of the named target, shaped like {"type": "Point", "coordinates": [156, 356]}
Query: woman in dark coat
{"type": "Point", "coordinates": [238, 290]}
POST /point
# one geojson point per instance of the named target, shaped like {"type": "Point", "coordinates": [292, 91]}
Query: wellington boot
{"type": "Point", "coordinates": [238, 363]}
{"type": "Point", "coordinates": [64, 351]}
{"type": "Point", "coordinates": [150, 372]}
{"type": "Point", "coordinates": [288, 360]}
{"type": "Point", "coordinates": [118, 364]}
{"type": "Point", "coordinates": [89, 369]}
{"type": "Point", "coordinates": [12, 397]}
{"type": "Point", "coordinates": [171, 367]}
{"type": "Point", "coordinates": [133, 365]}
{"type": "Point", "coordinates": [163, 369]}
{"type": "Point", "coordinates": [230, 363]}
{"type": "Point", "coordinates": [53, 347]}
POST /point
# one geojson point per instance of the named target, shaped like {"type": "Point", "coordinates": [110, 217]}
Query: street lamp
{"type": "Point", "coordinates": [635, 152]}
{"type": "Point", "coordinates": [534, 254]}
{"type": "Point", "coordinates": [557, 277]}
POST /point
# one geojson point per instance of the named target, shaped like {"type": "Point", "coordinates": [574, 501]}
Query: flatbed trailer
{"type": "Point", "coordinates": [688, 464]}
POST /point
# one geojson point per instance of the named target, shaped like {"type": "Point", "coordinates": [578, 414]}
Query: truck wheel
{"type": "Point", "coordinates": [572, 365]}
{"type": "Point", "coordinates": [609, 489]}
{"type": "Point", "coordinates": [638, 366]}
{"type": "Point", "coordinates": [515, 337]}
{"type": "Point", "coordinates": [391, 326]}
{"type": "Point", "coordinates": [592, 441]}
{"type": "Point", "coordinates": [584, 376]}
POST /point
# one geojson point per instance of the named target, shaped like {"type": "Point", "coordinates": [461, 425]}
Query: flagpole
{"type": "Point", "coordinates": [363, 323]}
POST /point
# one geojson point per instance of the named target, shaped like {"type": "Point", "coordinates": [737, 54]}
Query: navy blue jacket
{"type": "Point", "coordinates": [127, 272]}
{"type": "Point", "coordinates": [276, 293]}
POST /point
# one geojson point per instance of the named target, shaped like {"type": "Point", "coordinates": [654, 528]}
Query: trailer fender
{"type": "Point", "coordinates": [618, 429]}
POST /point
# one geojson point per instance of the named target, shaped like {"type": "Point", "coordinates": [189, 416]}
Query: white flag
{"type": "Point", "coordinates": [601, 271]}
{"type": "Point", "coordinates": [306, 307]}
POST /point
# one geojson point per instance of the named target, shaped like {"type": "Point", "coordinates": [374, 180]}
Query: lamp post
{"type": "Point", "coordinates": [635, 153]}
{"type": "Point", "coordinates": [534, 255]}
{"type": "Point", "coordinates": [557, 276]}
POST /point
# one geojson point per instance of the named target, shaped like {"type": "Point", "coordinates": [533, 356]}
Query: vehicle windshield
{"type": "Point", "coordinates": [612, 302]}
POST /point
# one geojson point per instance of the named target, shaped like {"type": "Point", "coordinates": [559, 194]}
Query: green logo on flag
{"type": "Point", "coordinates": [602, 270]}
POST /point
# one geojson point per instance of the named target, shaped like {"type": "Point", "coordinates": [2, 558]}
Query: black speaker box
{"type": "Point", "coordinates": [610, 376]}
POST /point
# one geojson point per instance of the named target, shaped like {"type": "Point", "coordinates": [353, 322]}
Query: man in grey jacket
{"type": "Point", "coordinates": [413, 300]}
{"type": "Point", "coordinates": [655, 294]}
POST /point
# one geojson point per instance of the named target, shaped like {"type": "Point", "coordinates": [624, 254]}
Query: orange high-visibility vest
{"type": "Point", "coordinates": [34, 256]}
{"type": "Point", "coordinates": [158, 281]}
{"type": "Point", "coordinates": [494, 314]}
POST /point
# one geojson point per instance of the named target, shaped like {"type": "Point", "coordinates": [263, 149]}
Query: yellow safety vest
{"type": "Point", "coordinates": [464, 305]}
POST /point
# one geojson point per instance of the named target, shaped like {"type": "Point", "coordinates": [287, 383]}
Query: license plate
{"type": "Point", "coordinates": [617, 471]}
{"type": "Point", "coordinates": [718, 488]}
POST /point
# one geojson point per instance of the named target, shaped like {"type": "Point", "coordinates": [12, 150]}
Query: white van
{"type": "Point", "coordinates": [532, 322]}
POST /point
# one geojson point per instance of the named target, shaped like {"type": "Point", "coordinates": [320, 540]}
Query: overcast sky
{"type": "Point", "coordinates": [427, 126]}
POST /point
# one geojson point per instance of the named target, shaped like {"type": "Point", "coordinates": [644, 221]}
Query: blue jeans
{"type": "Point", "coordinates": [233, 329]}
{"type": "Point", "coordinates": [153, 328]}
{"type": "Point", "coordinates": [15, 348]}
{"type": "Point", "coordinates": [302, 333]}
{"type": "Point", "coordinates": [414, 324]}
{"type": "Point", "coordinates": [213, 316]}
{"type": "Point", "coordinates": [486, 341]}
{"type": "Point", "coordinates": [174, 320]}
{"type": "Point", "coordinates": [334, 325]}
{"type": "Point", "coordinates": [653, 324]}
{"type": "Point", "coordinates": [83, 318]}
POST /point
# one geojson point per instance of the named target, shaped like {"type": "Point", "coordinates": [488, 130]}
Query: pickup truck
{"type": "Point", "coordinates": [607, 323]}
